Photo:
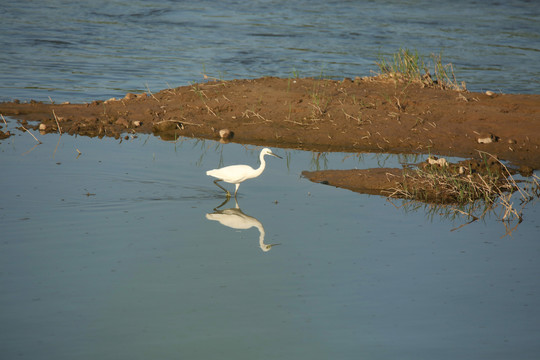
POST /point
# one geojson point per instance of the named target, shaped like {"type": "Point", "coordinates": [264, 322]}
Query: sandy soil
{"type": "Point", "coordinates": [374, 114]}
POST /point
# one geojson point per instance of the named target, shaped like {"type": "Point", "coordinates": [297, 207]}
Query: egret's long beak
{"type": "Point", "coordinates": [276, 155]}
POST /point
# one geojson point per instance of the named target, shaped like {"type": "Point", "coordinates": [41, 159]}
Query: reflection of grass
{"type": "Point", "coordinates": [410, 66]}
{"type": "Point", "coordinates": [316, 158]}
{"type": "Point", "coordinates": [474, 211]}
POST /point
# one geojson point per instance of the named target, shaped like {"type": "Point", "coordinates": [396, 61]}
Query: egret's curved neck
{"type": "Point", "coordinates": [260, 169]}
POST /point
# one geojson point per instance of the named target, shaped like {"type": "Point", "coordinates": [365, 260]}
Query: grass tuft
{"type": "Point", "coordinates": [408, 65]}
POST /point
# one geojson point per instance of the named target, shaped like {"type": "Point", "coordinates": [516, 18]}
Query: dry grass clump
{"type": "Point", "coordinates": [410, 66]}
{"type": "Point", "coordinates": [488, 182]}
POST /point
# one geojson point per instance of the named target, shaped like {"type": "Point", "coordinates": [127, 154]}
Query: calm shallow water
{"type": "Point", "coordinates": [112, 255]}
{"type": "Point", "coordinates": [119, 253]}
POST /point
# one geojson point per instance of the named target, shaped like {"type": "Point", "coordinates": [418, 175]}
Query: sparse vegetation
{"type": "Point", "coordinates": [408, 65]}
{"type": "Point", "coordinates": [487, 185]}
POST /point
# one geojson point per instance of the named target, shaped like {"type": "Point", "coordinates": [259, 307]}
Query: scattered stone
{"type": "Point", "coordinates": [42, 127]}
{"type": "Point", "coordinates": [130, 96]}
{"type": "Point", "coordinates": [167, 125]}
{"type": "Point", "coordinates": [490, 93]}
{"type": "Point", "coordinates": [488, 139]}
{"type": "Point", "coordinates": [432, 160]}
{"type": "Point", "coordinates": [225, 134]}
{"type": "Point", "coordinates": [512, 141]}
{"type": "Point", "coordinates": [137, 123]}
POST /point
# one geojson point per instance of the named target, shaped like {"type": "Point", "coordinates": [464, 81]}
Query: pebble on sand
{"type": "Point", "coordinates": [225, 134]}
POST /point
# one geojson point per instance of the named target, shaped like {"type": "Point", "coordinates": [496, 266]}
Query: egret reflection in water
{"type": "Point", "coordinates": [236, 219]}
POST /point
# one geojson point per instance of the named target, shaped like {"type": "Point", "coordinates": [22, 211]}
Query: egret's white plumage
{"type": "Point", "coordinates": [236, 174]}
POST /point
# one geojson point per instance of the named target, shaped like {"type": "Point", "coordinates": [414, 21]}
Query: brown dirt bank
{"type": "Point", "coordinates": [376, 114]}
{"type": "Point", "coordinates": [377, 181]}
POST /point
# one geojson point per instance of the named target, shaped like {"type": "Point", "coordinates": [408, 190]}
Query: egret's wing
{"type": "Point", "coordinates": [231, 174]}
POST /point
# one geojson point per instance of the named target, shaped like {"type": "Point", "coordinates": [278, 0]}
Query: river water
{"type": "Point", "coordinates": [115, 249]}
{"type": "Point", "coordinates": [82, 51]}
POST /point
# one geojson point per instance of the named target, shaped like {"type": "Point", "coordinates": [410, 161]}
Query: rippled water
{"type": "Point", "coordinates": [120, 252]}
{"type": "Point", "coordinates": [73, 51]}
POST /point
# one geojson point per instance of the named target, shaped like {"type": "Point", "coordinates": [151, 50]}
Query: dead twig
{"type": "Point", "coordinates": [57, 123]}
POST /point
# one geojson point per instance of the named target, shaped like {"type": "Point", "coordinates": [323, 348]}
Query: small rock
{"type": "Point", "coordinates": [434, 161]}
{"type": "Point", "coordinates": [490, 93]}
{"type": "Point", "coordinates": [137, 123]}
{"type": "Point", "coordinates": [42, 127]}
{"type": "Point", "coordinates": [130, 96]}
{"type": "Point", "coordinates": [487, 139]}
{"type": "Point", "coordinates": [167, 125]}
{"type": "Point", "coordinates": [512, 141]}
{"type": "Point", "coordinates": [225, 133]}
{"type": "Point", "coordinates": [110, 100]}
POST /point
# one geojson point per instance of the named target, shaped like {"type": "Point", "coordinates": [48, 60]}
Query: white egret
{"type": "Point", "coordinates": [236, 174]}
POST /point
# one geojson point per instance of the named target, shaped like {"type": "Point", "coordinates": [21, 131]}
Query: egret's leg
{"type": "Point", "coordinates": [236, 190]}
{"type": "Point", "coordinates": [227, 191]}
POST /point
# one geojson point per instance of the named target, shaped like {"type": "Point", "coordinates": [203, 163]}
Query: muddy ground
{"type": "Point", "coordinates": [375, 114]}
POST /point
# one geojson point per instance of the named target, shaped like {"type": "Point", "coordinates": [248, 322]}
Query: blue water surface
{"type": "Point", "coordinates": [82, 51]}
{"type": "Point", "coordinates": [120, 253]}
